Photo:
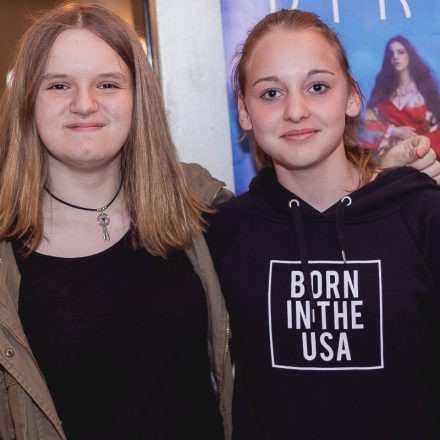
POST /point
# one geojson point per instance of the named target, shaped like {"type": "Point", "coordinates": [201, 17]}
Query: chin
{"type": "Point", "coordinates": [299, 162]}
{"type": "Point", "coordinates": [88, 160]}
{"type": "Point", "coordinates": [296, 165]}
{"type": "Point", "coordinates": [90, 165]}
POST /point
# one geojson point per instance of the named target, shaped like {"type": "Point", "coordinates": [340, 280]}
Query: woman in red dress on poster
{"type": "Point", "coordinates": [405, 100]}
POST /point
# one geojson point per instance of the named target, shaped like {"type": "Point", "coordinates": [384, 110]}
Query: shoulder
{"type": "Point", "coordinates": [423, 208]}
{"type": "Point", "coordinates": [227, 222]}
{"type": "Point", "coordinates": [421, 214]}
{"type": "Point", "coordinates": [211, 190]}
{"type": "Point", "coordinates": [232, 213]}
{"type": "Point", "coordinates": [423, 202]}
{"type": "Point", "coordinates": [404, 190]}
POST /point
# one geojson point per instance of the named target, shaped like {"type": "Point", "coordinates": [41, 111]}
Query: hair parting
{"type": "Point", "coordinates": [164, 214]}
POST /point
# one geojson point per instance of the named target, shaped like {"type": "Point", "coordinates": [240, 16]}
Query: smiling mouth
{"type": "Point", "coordinates": [299, 135]}
{"type": "Point", "coordinates": [89, 126]}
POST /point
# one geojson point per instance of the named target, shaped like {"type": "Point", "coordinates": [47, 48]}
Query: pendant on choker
{"type": "Point", "coordinates": [103, 218]}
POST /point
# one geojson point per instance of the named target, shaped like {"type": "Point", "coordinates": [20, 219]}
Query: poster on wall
{"type": "Point", "coordinates": [394, 51]}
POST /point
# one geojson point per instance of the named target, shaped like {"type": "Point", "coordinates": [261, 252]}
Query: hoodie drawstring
{"type": "Point", "coordinates": [301, 236]}
{"type": "Point", "coordinates": [345, 201]}
{"type": "Point", "coordinates": [302, 243]}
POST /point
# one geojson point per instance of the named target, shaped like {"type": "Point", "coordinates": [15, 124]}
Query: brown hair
{"type": "Point", "coordinates": [164, 214]}
{"type": "Point", "coordinates": [297, 20]}
{"type": "Point", "coordinates": [387, 79]}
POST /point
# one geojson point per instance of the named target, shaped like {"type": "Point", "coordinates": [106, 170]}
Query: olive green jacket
{"type": "Point", "coordinates": [27, 411]}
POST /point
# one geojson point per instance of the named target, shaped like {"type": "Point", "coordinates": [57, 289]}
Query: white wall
{"type": "Point", "coordinates": [192, 71]}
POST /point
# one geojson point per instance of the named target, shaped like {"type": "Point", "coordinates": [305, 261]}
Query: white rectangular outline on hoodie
{"type": "Point", "coordinates": [288, 367]}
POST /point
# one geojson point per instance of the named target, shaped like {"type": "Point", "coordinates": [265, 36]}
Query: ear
{"type": "Point", "coordinates": [243, 116]}
{"type": "Point", "coordinates": [353, 104]}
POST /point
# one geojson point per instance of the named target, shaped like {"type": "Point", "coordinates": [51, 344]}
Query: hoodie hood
{"type": "Point", "coordinates": [386, 193]}
{"type": "Point", "coordinates": [378, 198]}
{"type": "Point", "coordinates": [300, 311]}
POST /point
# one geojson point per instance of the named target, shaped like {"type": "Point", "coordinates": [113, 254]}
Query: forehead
{"type": "Point", "coordinates": [397, 45]}
{"type": "Point", "coordinates": [292, 50]}
{"type": "Point", "coordinates": [79, 50]}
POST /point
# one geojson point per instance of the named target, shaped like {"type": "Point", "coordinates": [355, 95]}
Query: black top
{"type": "Point", "coordinates": [121, 339]}
{"type": "Point", "coordinates": [326, 349]}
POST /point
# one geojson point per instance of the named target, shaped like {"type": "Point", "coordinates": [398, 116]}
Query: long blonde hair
{"type": "Point", "coordinates": [297, 20]}
{"type": "Point", "coordinates": [164, 214]}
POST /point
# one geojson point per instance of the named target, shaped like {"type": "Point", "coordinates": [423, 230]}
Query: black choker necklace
{"type": "Point", "coordinates": [103, 218]}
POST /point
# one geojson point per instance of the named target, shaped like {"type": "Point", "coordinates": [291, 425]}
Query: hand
{"type": "Point", "coordinates": [415, 152]}
{"type": "Point", "coordinates": [403, 132]}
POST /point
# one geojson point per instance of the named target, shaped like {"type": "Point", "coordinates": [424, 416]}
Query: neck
{"type": "Point", "coordinates": [322, 185]}
{"type": "Point", "coordinates": [404, 78]}
{"type": "Point", "coordinates": [86, 188]}
{"type": "Point", "coordinates": [72, 232]}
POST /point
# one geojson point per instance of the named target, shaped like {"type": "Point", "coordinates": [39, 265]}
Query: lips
{"type": "Point", "coordinates": [85, 126]}
{"type": "Point", "coordinates": [299, 135]}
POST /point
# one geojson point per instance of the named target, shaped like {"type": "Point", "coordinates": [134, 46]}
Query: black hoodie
{"type": "Point", "coordinates": [327, 348]}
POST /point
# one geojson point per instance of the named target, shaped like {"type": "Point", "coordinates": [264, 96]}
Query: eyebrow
{"type": "Point", "coordinates": [111, 75]}
{"type": "Point", "coordinates": [277, 80]}
{"type": "Point", "coordinates": [318, 71]}
{"type": "Point", "coordinates": [267, 78]}
{"type": "Point", "coordinates": [49, 76]}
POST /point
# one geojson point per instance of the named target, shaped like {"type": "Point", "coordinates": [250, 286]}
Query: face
{"type": "Point", "coordinates": [84, 104]}
{"type": "Point", "coordinates": [296, 99]}
{"type": "Point", "coordinates": [399, 56]}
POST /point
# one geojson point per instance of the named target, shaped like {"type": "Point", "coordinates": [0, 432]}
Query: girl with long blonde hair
{"type": "Point", "coordinates": [108, 328]}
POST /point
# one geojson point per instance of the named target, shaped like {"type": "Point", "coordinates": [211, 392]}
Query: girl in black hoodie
{"type": "Point", "coordinates": [329, 268]}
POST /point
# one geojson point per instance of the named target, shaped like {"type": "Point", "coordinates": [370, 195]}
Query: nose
{"type": "Point", "coordinates": [296, 108]}
{"type": "Point", "coordinates": [84, 102]}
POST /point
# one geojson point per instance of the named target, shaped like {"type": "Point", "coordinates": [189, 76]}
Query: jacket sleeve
{"type": "Point", "coordinates": [207, 188]}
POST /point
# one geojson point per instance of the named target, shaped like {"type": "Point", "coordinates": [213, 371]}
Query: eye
{"type": "Point", "coordinates": [271, 94]}
{"type": "Point", "coordinates": [108, 86]}
{"type": "Point", "coordinates": [319, 88]}
{"type": "Point", "coordinates": [58, 86]}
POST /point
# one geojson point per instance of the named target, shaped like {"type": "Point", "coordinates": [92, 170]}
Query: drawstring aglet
{"type": "Point", "coordinates": [343, 255]}
{"type": "Point", "coordinates": [345, 201]}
